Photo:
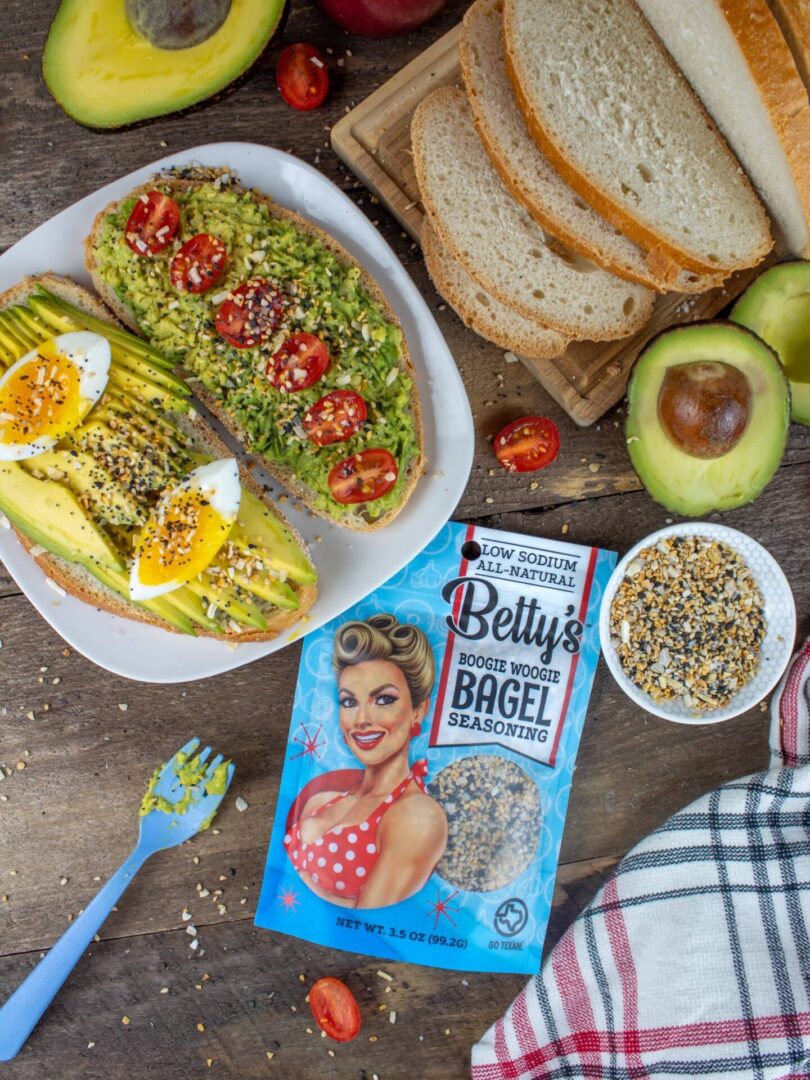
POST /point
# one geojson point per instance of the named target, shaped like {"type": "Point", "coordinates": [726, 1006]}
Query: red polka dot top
{"type": "Point", "coordinates": [340, 861]}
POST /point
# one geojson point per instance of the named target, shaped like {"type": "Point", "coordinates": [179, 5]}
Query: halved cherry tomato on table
{"type": "Point", "coordinates": [298, 364]}
{"type": "Point", "coordinates": [250, 314]}
{"type": "Point", "coordinates": [335, 1009]}
{"type": "Point", "coordinates": [302, 76]}
{"type": "Point", "coordinates": [363, 477]}
{"type": "Point", "coordinates": [198, 263]}
{"type": "Point", "coordinates": [527, 444]}
{"type": "Point", "coordinates": [152, 223]}
{"type": "Point", "coordinates": [335, 418]}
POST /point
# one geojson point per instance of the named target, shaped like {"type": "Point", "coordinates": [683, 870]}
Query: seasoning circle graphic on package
{"type": "Point", "coordinates": [430, 755]}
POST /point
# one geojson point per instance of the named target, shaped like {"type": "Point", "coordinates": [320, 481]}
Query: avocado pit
{"type": "Point", "coordinates": [704, 407]}
{"type": "Point", "coordinates": [177, 24]}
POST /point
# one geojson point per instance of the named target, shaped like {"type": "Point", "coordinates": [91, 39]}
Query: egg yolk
{"type": "Point", "coordinates": [181, 541]}
{"type": "Point", "coordinates": [42, 399]}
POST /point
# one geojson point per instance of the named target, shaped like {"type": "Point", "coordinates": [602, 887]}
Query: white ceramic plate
{"type": "Point", "coordinates": [780, 619]}
{"type": "Point", "coordinates": [350, 564]}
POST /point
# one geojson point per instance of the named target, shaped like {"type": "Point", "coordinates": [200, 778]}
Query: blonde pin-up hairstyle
{"type": "Point", "coordinates": [383, 637]}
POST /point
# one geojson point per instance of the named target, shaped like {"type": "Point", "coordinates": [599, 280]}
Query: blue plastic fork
{"type": "Point", "coordinates": [160, 829]}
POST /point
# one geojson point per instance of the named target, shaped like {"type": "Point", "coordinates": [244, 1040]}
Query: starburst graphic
{"type": "Point", "coordinates": [288, 900]}
{"type": "Point", "coordinates": [441, 906]}
{"type": "Point", "coordinates": [312, 744]}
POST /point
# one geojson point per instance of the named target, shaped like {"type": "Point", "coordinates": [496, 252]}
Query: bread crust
{"type": "Point", "coordinates": [657, 274]}
{"type": "Point", "coordinates": [527, 346]}
{"type": "Point", "coordinates": [78, 582]}
{"type": "Point", "coordinates": [662, 252]}
{"type": "Point", "coordinates": [780, 87]}
{"type": "Point", "coordinates": [793, 17]}
{"type": "Point", "coordinates": [463, 258]}
{"type": "Point", "coordinates": [283, 474]}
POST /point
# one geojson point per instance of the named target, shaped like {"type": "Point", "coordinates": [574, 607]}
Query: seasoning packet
{"type": "Point", "coordinates": [430, 755]}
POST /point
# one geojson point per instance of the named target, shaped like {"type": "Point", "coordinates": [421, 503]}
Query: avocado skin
{"type": "Point", "coordinates": [80, 72]}
{"type": "Point", "coordinates": [693, 486]}
{"type": "Point", "coordinates": [777, 308]}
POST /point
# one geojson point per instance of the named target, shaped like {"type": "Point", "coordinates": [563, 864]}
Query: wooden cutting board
{"type": "Point", "coordinates": [374, 140]}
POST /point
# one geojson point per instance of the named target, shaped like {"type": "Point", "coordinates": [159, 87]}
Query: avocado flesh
{"type": "Point", "coordinates": [240, 609]}
{"type": "Point", "coordinates": [50, 514]}
{"type": "Point", "coordinates": [118, 582]}
{"type": "Point", "coordinates": [105, 74]}
{"type": "Point", "coordinates": [125, 428]}
{"type": "Point", "coordinates": [690, 485]}
{"type": "Point", "coordinates": [90, 481]}
{"type": "Point", "coordinates": [777, 308]}
{"type": "Point", "coordinates": [255, 524]}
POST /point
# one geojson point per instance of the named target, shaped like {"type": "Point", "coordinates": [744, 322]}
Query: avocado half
{"type": "Point", "coordinates": [777, 308]}
{"type": "Point", "coordinates": [708, 417]}
{"type": "Point", "coordinates": [106, 73]}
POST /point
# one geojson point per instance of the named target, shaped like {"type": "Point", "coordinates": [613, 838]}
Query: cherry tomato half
{"type": "Point", "coordinates": [298, 364]}
{"type": "Point", "coordinates": [302, 76]}
{"type": "Point", "coordinates": [335, 1009]}
{"type": "Point", "coordinates": [363, 477]}
{"type": "Point", "coordinates": [198, 263]}
{"type": "Point", "coordinates": [335, 418]}
{"type": "Point", "coordinates": [152, 223]}
{"type": "Point", "coordinates": [527, 444]}
{"type": "Point", "coordinates": [250, 314]}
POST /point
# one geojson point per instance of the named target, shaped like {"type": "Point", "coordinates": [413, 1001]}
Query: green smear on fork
{"type": "Point", "coordinates": [189, 771]}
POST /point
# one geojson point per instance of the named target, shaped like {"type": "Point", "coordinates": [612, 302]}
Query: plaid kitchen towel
{"type": "Point", "coordinates": [693, 960]}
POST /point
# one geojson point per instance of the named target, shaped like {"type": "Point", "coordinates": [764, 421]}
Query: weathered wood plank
{"type": "Point", "coordinates": [246, 1009]}
{"type": "Point", "coordinates": [89, 760]}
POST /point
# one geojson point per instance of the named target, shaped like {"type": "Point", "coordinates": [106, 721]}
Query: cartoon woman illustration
{"type": "Point", "coordinates": [377, 842]}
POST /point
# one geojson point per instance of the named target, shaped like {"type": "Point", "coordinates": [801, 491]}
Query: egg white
{"type": "Point", "coordinates": [219, 482]}
{"type": "Point", "coordinates": [87, 351]}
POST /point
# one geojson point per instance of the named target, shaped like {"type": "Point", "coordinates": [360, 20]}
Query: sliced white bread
{"type": "Point", "coordinates": [482, 312]}
{"type": "Point", "coordinates": [621, 125]}
{"type": "Point", "coordinates": [485, 229]}
{"type": "Point", "coordinates": [528, 173]}
{"type": "Point", "coordinates": [79, 582]}
{"type": "Point", "coordinates": [793, 17]}
{"type": "Point", "coordinates": [740, 65]}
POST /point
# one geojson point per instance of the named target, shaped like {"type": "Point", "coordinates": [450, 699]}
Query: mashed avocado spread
{"type": "Point", "coordinates": [189, 776]}
{"type": "Point", "coordinates": [324, 296]}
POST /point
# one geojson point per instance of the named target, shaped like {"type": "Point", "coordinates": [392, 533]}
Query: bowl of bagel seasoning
{"type": "Point", "coordinates": [697, 623]}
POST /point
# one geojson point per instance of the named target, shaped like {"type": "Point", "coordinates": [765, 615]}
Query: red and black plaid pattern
{"type": "Point", "coordinates": [694, 959]}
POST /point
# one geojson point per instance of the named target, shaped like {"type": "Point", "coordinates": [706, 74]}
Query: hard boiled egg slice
{"type": "Point", "coordinates": [49, 391]}
{"type": "Point", "coordinates": [186, 529]}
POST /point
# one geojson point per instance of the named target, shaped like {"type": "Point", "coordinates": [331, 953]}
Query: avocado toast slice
{"type": "Point", "coordinates": [80, 506]}
{"type": "Point", "coordinates": [323, 294]}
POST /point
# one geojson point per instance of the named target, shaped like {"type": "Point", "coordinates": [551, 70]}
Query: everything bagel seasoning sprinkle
{"type": "Point", "coordinates": [687, 622]}
{"type": "Point", "coordinates": [493, 821]}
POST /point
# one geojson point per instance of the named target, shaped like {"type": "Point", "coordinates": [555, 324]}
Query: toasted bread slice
{"type": "Point", "coordinates": [607, 105]}
{"type": "Point", "coordinates": [79, 582]}
{"type": "Point", "coordinates": [741, 67]}
{"type": "Point", "coordinates": [353, 517]}
{"type": "Point", "coordinates": [530, 176]}
{"type": "Point", "coordinates": [500, 246]}
{"type": "Point", "coordinates": [482, 312]}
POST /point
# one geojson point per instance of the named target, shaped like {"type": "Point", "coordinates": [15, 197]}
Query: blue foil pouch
{"type": "Point", "coordinates": [430, 755]}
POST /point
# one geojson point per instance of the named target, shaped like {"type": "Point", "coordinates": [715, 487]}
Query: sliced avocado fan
{"type": "Point", "coordinates": [87, 499]}
{"type": "Point", "coordinates": [777, 308]}
{"type": "Point", "coordinates": [707, 417]}
{"type": "Point", "coordinates": [110, 63]}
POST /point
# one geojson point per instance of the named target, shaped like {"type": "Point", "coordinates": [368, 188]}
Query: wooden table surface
{"type": "Point", "coordinates": [80, 743]}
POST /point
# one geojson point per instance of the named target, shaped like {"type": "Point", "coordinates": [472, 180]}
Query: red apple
{"type": "Point", "coordinates": [378, 18]}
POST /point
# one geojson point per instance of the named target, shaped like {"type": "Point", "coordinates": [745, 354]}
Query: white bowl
{"type": "Point", "coordinates": [780, 625]}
